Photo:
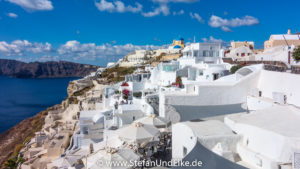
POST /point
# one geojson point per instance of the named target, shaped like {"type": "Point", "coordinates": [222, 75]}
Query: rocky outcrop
{"type": "Point", "coordinates": [12, 140]}
{"type": "Point", "coordinates": [78, 85]}
{"type": "Point", "coordinates": [44, 69]}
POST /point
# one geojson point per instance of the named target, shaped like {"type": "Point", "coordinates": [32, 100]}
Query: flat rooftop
{"type": "Point", "coordinates": [208, 128]}
{"type": "Point", "coordinates": [88, 113]}
{"type": "Point", "coordinates": [281, 119]}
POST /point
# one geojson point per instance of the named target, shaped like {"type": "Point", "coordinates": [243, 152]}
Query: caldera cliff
{"type": "Point", "coordinates": [49, 69]}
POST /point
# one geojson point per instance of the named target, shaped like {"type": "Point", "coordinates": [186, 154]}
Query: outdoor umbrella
{"type": "Point", "coordinates": [138, 132]}
{"type": "Point", "coordinates": [155, 120]}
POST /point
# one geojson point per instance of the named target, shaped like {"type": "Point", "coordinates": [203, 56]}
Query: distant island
{"type": "Point", "coordinates": [51, 69]}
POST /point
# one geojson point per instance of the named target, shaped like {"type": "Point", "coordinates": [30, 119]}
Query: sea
{"type": "Point", "coordinates": [23, 98]}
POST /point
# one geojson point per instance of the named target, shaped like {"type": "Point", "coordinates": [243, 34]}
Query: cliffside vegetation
{"type": "Point", "coordinates": [117, 74]}
{"type": "Point", "coordinates": [13, 140]}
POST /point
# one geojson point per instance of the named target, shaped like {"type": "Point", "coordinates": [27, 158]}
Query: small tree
{"type": "Point", "coordinates": [117, 92]}
{"type": "Point", "coordinates": [137, 94]}
{"type": "Point", "coordinates": [13, 162]}
{"type": "Point", "coordinates": [179, 81]}
{"type": "Point", "coordinates": [235, 68]}
{"type": "Point", "coordinates": [296, 54]}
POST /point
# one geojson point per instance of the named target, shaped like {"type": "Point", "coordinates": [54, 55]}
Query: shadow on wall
{"type": "Point", "coordinates": [201, 112]}
{"type": "Point", "coordinates": [208, 159]}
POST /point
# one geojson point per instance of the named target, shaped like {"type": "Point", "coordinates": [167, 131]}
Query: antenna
{"type": "Point", "coordinates": [194, 39]}
{"type": "Point", "coordinates": [285, 40]}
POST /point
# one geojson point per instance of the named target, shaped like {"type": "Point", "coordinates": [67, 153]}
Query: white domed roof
{"type": "Point", "coordinates": [97, 117]}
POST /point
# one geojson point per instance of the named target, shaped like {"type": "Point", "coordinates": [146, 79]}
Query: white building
{"type": "Point", "coordinates": [266, 127]}
{"type": "Point", "coordinates": [139, 57]}
{"type": "Point", "coordinates": [164, 74]}
{"type": "Point", "coordinates": [206, 99]}
{"type": "Point", "coordinates": [170, 50]}
{"type": "Point", "coordinates": [212, 134]}
{"type": "Point", "coordinates": [91, 128]}
{"type": "Point", "coordinates": [139, 80]}
{"type": "Point", "coordinates": [278, 53]}
{"type": "Point", "coordinates": [203, 62]}
{"type": "Point", "coordinates": [211, 142]}
{"type": "Point", "coordinates": [200, 62]}
{"type": "Point", "coordinates": [270, 136]}
{"type": "Point", "coordinates": [211, 53]}
{"type": "Point", "coordinates": [242, 53]}
{"type": "Point", "coordinates": [136, 58]}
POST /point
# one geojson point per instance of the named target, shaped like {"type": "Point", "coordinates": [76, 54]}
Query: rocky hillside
{"type": "Point", "coordinates": [44, 69]}
{"type": "Point", "coordinates": [12, 140]}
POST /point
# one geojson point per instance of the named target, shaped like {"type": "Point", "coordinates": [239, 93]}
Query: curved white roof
{"type": "Point", "coordinates": [97, 117]}
{"type": "Point", "coordinates": [283, 120]}
{"type": "Point", "coordinates": [208, 128]}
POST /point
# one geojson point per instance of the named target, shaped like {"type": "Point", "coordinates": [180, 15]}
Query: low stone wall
{"type": "Point", "coordinates": [269, 65]}
{"type": "Point", "coordinates": [295, 69]}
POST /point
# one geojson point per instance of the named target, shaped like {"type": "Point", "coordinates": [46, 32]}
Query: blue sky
{"type": "Point", "coordinates": [98, 31]}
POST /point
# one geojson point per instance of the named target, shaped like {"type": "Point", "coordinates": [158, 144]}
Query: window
{"type": "Point", "coordinates": [195, 53]}
{"type": "Point", "coordinates": [204, 53]}
{"type": "Point", "coordinates": [218, 53]}
{"type": "Point", "coordinates": [215, 76]}
{"type": "Point", "coordinates": [184, 151]}
{"type": "Point", "coordinates": [211, 53]}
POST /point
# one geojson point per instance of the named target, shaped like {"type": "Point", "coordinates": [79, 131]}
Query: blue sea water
{"type": "Point", "coordinates": [23, 98]}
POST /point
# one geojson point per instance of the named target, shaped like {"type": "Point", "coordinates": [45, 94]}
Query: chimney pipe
{"type": "Point", "coordinates": [289, 31]}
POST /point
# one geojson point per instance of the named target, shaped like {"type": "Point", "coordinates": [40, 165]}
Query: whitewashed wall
{"type": "Point", "coordinates": [163, 78]}
{"type": "Point", "coordinates": [183, 138]}
{"type": "Point", "coordinates": [286, 83]}
{"type": "Point", "coordinates": [217, 93]}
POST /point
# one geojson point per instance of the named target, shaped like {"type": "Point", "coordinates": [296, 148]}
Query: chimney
{"type": "Point", "coordinates": [289, 31]}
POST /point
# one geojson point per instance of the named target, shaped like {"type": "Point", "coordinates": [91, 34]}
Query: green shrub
{"type": "Point", "coordinates": [73, 100]}
{"type": "Point", "coordinates": [27, 139]}
{"type": "Point", "coordinates": [235, 68]}
{"type": "Point", "coordinates": [17, 149]}
{"type": "Point", "coordinates": [82, 91]}
{"type": "Point", "coordinates": [137, 94]}
{"type": "Point", "coordinates": [296, 54]}
{"type": "Point", "coordinates": [117, 74]}
{"type": "Point", "coordinates": [13, 162]}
